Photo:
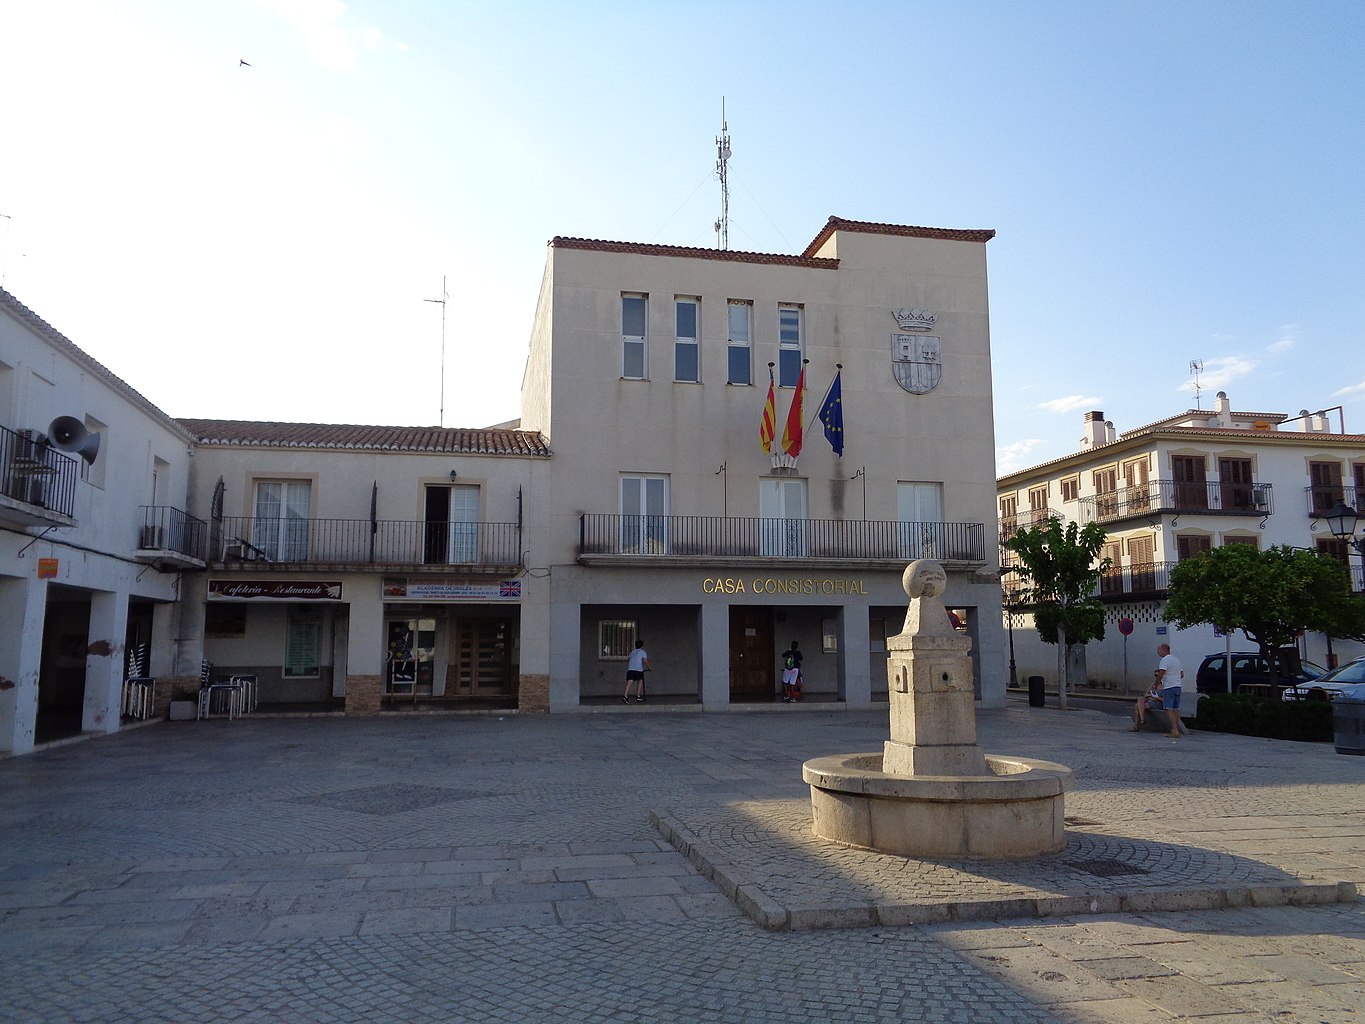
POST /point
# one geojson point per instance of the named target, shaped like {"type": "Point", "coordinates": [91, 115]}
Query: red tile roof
{"type": "Point", "coordinates": [691, 252]}
{"type": "Point", "coordinates": [904, 230]}
{"type": "Point", "coordinates": [349, 436]}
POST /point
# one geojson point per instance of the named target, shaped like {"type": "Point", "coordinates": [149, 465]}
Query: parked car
{"type": "Point", "coordinates": [1346, 681]}
{"type": "Point", "coordinates": [1250, 669]}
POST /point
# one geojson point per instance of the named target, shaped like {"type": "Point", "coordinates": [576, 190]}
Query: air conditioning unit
{"type": "Point", "coordinates": [28, 444]}
{"type": "Point", "coordinates": [153, 538]}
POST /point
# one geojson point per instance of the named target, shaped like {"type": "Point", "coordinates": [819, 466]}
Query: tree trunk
{"type": "Point", "coordinates": [1061, 665]}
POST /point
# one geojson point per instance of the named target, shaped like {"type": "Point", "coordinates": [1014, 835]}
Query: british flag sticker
{"type": "Point", "coordinates": [509, 588]}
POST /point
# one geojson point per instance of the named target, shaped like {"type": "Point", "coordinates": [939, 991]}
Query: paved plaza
{"type": "Point", "coordinates": [652, 864]}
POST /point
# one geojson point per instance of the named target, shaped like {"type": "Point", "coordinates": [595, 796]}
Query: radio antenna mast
{"type": "Point", "coordinates": [1196, 368]}
{"type": "Point", "coordinates": [445, 296]}
{"type": "Point", "coordinates": [722, 160]}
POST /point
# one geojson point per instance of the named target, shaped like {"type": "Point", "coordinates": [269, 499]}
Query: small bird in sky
{"type": "Point", "coordinates": [241, 63]}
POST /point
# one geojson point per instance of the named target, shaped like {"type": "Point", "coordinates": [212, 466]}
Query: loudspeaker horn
{"type": "Point", "coordinates": [68, 434]}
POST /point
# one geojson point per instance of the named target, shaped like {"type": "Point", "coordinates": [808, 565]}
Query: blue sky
{"type": "Point", "coordinates": [1169, 182]}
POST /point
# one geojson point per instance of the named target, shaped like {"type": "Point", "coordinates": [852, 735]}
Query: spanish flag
{"type": "Point", "coordinates": [791, 435]}
{"type": "Point", "coordinates": [768, 427]}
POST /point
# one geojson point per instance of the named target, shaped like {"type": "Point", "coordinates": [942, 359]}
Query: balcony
{"type": "Point", "coordinates": [606, 539]}
{"type": "Point", "coordinates": [37, 482]}
{"type": "Point", "coordinates": [1320, 499]}
{"type": "Point", "coordinates": [1170, 497]}
{"type": "Point", "coordinates": [1144, 580]}
{"type": "Point", "coordinates": [248, 542]}
{"type": "Point", "coordinates": [171, 539]}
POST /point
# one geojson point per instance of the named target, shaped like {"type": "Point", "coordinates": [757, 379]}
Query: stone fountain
{"type": "Point", "coordinates": [932, 792]}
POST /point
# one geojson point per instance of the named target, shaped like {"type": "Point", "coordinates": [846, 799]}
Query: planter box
{"type": "Point", "coordinates": [184, 710]}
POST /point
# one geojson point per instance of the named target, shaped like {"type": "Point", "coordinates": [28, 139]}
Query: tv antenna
{"type": "Point", "coordinates": [445, 296]}
{"type": "Point", "coordinates": [722, 161]}
{"type": "Point", "coordinates": [1196, 368]}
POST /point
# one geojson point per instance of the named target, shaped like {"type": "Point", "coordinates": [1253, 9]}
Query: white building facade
{"type": "Point", "coordinates": [1169, 490]}
{"type": "Point", "coordinates": [374, 569]}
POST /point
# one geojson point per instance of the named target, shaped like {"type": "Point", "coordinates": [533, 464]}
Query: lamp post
{"type": "Point", "coordinates": [1009, 624]}
{"type": "Point", "coordinates": [1341, 521]}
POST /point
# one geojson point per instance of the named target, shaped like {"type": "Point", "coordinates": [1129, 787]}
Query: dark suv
{"type": "Point", "coordinates": [1250, 669]}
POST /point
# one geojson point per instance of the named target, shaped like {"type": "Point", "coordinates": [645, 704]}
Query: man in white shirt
{"type": "Point", "coordinates": [636, 667]}
{"type": "Point", "coordinates": [1169, 675]}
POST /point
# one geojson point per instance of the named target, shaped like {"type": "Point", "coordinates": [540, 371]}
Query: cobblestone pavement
{"type": "Point", "coordinates": [497, 868]}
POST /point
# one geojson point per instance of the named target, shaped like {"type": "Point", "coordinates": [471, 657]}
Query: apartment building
{"type": "Point", "coordinates": [1166, 491]}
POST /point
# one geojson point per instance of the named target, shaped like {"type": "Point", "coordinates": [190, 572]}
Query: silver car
{"type": "Point", "coordinates": [1347, 680]}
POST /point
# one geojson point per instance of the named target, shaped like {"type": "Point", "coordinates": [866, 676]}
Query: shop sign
{"type": "Point", "coordinates": [274, 590]}
{"type": "Point", "coordinates": [782, 585]}
{"type": "Point", "coordinates": [451, 590]}
{"type": "Point", "coordinates": [47, 568]}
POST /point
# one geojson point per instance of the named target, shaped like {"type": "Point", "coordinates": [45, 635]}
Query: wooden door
{"type": "Point", "coordinates": [1234, 476]}
{"type": "Point", "coordinates": [483, 657]}
{"type": "Point", "coordinates": [751, 654]}
{"type": "Point", "coordinates": [1191, 485]}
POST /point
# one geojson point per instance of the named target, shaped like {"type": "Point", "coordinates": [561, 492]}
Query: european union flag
{"type": "Point", "coordinates": [831, 414]}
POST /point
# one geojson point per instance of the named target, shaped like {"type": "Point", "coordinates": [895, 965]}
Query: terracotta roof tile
{"type": "Point", "coordinates": [691, 252]}
{"type": "Point", "coordinates": [350, 436]}
{"type": "Point", "coordinates": [904, 230]}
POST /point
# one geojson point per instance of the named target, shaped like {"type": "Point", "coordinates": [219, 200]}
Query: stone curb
{"type": "Point", "coordinates": [748, 895]}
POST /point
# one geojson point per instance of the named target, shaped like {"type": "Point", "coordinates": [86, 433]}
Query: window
{"type": "Point", "coordinates": [1106, 482]}
{"type": "Point", "coordinates": [644, 515]}
{"type": "Point", "coordinates": [452, 524]}
{"type": "Point", "coordinates": [1136, 496]}
{"type": "Point", "coordinates": [919, 510]}
{"type": "Point", "coordinates": [1112, 580]}
{"type": "Point", "coordinates": [788, 345]}
{"type": "Point", "coordinates": [1189, 545]}
{"type": "Point", "coordinates": [1188, 474]}
{"type": "Point", "coordinates": [302, 642]}
{"type": "Point", "coordinates": [1009, 512]}
{"type": "Point", "coordinates": [739, 356]}
{"type": "Point", "coordinates": [1037, 504]}
{"type": "Point", "coordinates": [1142, 564]}
{"type": "Point", "coordinates": [829, 636]}
{"type": "Point", "coordinates": [1240, 538]}
{"type": "Point", "coordinates": [615, 639]}
{"type": "Point", "coordinates": [1070, 488]}
{"type": "Point", "coordinates": [280, 529]}
{"type": "Point", "coordinates": [1234, 483]}
{"type": "Point", "coordinates": [634, 309]}
{"type": "Point", "coordinates": [782, 518]}
{"type": "Point", "coordinates": [1326, 480]}
{"type": "Point", "coordinates": [686, 357]}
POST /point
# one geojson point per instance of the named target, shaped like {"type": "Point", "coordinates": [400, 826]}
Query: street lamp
{"type": "Point", "coordinates": [1009, 621]}
{"type": "Point", "coordinates": [1341, 521]}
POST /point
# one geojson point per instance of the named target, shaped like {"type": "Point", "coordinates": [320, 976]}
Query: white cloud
{"type": "Point", "coordinates": [1354, 389]}
{"type": "Point", "coordinates": [1287, 338]}
{"type": "Point", "coordinates": [1071, 403]}
{"type": "Point", "coordinates": [1220, 372]}
{"type": "Point", "coordinates": [1010, 457]}
{"type": "Point", "coordinates": [324, 28]}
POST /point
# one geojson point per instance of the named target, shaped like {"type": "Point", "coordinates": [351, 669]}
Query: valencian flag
{"type": "Point", "coordinates": [831, 414]}
{"type": "Point", "coordinates": [768, 428]}
{"type": "Point", "coordinates": [791, 434]}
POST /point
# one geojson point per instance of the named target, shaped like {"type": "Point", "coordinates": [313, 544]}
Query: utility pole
{"type": "Point", "coordinates": [445, 296]}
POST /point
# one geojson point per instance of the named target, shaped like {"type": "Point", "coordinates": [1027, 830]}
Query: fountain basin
{"type": "Point", "coordinates": [1015, 811]}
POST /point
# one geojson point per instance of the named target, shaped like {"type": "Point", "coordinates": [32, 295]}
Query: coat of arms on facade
{"type": "Point", "coordinates": [915, 358]}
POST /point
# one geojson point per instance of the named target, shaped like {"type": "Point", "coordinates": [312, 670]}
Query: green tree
{"type": "Point", "coordinates": [1269, 595]}
{"type": "Point", "coordinates": [1061, 569]}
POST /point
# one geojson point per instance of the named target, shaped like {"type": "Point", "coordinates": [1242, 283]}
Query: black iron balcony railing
{"type": "Point", "coordinates": [733, 537]}
{"type": "Point", "coordinates": [1158, 497]}
{"type": "Point", "coordinates": [385, 542]}
{"type": "Point", "coordinates": [1321, 498]}
{"type": "Point", "coordinates": [1146, 579]}
{"type": "Point", "coordinates": [169, 529]}
{"type": "Point", "coordinates": [35, 473]}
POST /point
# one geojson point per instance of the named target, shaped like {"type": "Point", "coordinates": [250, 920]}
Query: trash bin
{"type": "Point", "coordinates": [1035, 691]}
{"type": "Point", "coordinates": [1348, 725]}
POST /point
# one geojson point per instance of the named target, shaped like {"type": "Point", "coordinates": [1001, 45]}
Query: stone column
{"type": "Point", "coordinates": [104, 662]}
{"type": "Point", "coordinates": [929, 669]}
{"type": "Point", "coordinates": [715, 655]}
{"type": "Point", "coordinates": [23, 606]}
{"type": "Point", "coordinates": [364, 648]}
